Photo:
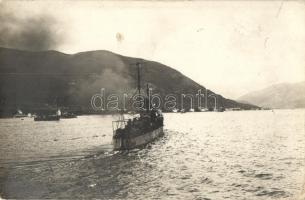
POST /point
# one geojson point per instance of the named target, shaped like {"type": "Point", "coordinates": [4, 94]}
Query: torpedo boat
{"type": "Point", "coordinates": [140, 130]}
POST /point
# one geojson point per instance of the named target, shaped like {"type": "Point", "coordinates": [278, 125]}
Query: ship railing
{"type": "Point", "coordinates": [119, 124]}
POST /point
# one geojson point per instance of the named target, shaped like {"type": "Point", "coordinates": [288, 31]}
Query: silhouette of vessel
{"type": "Point", "coordinates": [140, 130]}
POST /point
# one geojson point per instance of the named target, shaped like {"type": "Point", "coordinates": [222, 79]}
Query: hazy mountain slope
{"type": "Point", "coordinates": [284, 95]}
{"type": "Point", "coordinates": [30, 80]}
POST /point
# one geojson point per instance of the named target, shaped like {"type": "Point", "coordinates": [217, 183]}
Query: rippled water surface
{"type": "Point", "coordinates": [230, 155]}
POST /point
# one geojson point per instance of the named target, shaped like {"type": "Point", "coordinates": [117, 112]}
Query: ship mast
{"type": "Point", "coordinates": [147, 97]}
{"type": "Point", "coordinates": [139, 77]}
{"type": "Point", "coordinates": [206, 98]}
{"type": "Point", "coordinates": [138, 64]}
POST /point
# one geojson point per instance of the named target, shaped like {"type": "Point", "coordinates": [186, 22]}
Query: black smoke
{"type": "Point", "coordinates": [34, 33]}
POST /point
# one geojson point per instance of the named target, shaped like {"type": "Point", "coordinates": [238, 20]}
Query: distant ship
{"type": "Point", "coordinates": [48, 117]}
{"type": "Point", "coordinates": [138, 131]}
{"type": "Point", "coordinates": [175, 110]}
{"type": "Point", "coordinates": [68, 115]}
{"type": "Point", "coordinates": [182, 111]}
{"type": "Point", "coordinates": [221, 109]}
{"type": "Point", "coordinates": [203, 109]}
{"type": "Point", "coordinates": [20, 114]}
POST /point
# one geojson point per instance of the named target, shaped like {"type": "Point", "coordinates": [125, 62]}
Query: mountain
{"type": "Point", "coordinates": [283, 95]}
{"type": "Point", "coordinates": [41, 80]}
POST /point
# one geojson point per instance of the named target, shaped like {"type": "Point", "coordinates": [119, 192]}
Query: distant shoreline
{"type": "Point", "coordinates": [117, 113]}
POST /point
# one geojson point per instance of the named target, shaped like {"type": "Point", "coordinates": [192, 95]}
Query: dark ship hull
{"type": "Point", "coordinates": [68, 116]}
{"type": "Point", "coordinates": [131, 142]}
{"type": "Point", "coordinates": [136, 132]}
{"type": "Point", "coordinates": [47, 118]}
{"type": "Point", "coordinates": [20, 116]}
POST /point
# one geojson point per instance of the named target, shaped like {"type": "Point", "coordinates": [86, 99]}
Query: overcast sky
{"type": "Point", "coordinates": [231, 47]}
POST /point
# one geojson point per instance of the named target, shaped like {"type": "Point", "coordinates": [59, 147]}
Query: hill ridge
{"type": "Point", "coordinates": [73, 79]}
{"type": "Point", "coordinates": [281, 95]}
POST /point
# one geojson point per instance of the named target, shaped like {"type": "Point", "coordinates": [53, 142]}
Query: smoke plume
{"type": "Point", "coordinates": [33, 33]}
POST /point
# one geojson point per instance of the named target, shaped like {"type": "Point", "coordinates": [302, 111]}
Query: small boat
{"type": "Point", "coordinates": [175, 110]}
{"type": "Point", "coordinates": [20, 114]}
{"type": "Point", "coordinates": [192, 110]}
{"type": "Point", "coordinates": [47, 118]}
{"type": "Point", "coordinates": [203, 109]}
{"type": "Point", "coordinates": [138, 131]}
{"type": "Point", "coordinates": [221, 109]}
{"type": "Point", "coordinates": [68, 115]}
{"type": "Point", "coordinates": [182, 111]}
{"type": "Point", "coordinates": [211, 109]}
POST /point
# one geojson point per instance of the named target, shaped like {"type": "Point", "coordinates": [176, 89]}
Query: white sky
{"type": "Point", "coordinates": [231, 47]}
